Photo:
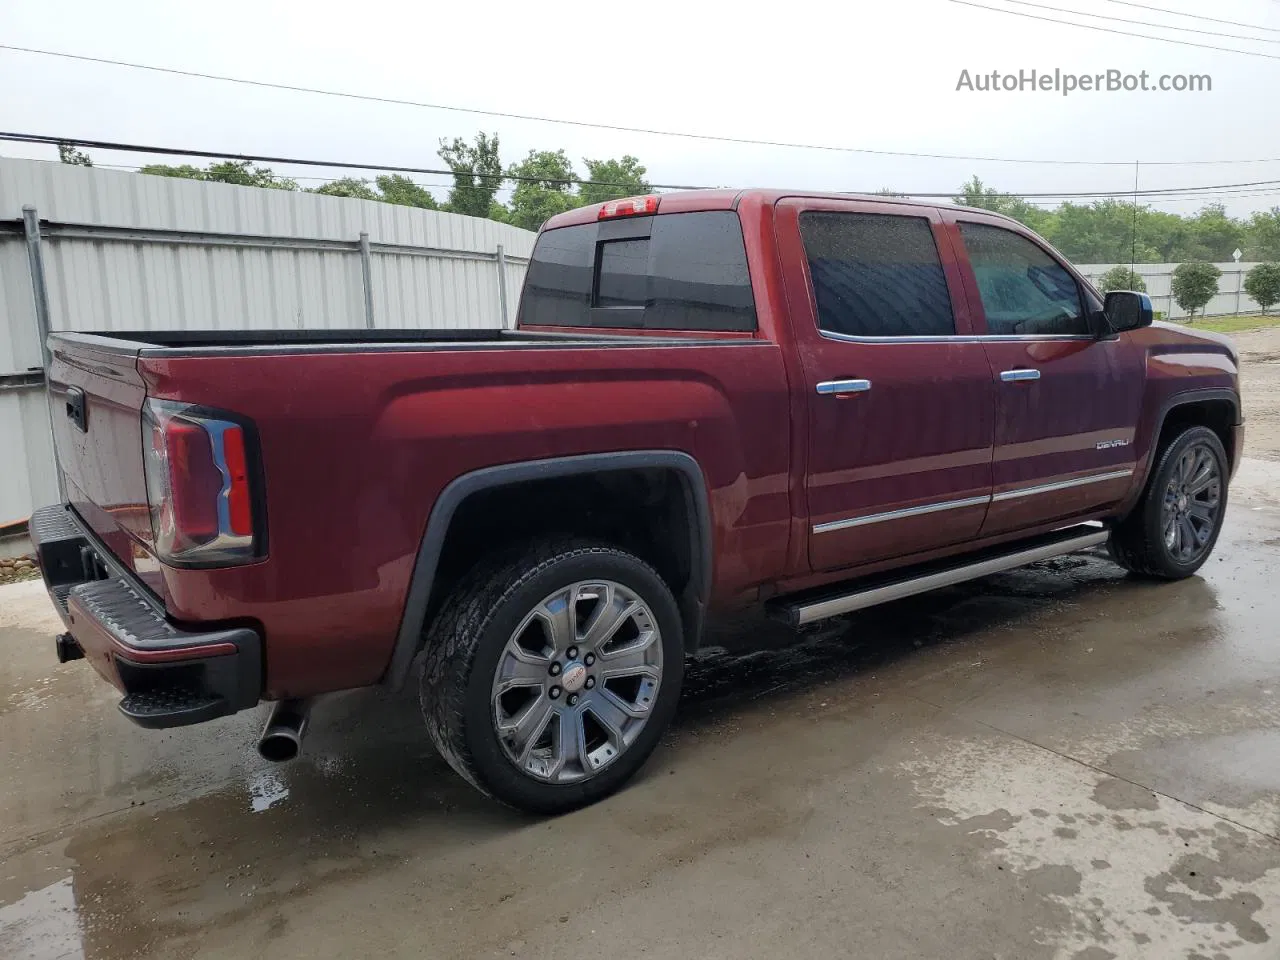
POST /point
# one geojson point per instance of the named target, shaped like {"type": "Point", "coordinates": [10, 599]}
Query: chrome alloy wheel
{"type": "Point", "coordinates": [577, 681]}
{"type": "Point", "coordinates": [1192, 503]}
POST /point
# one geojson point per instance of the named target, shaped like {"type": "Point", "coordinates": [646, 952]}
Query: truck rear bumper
{"type": "Point", "coordinates": [170, 677]}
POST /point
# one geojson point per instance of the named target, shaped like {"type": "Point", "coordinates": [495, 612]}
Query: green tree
{"type": "Point", "coordinates": [1194, 285]}
{"type": "Point", "coordinates": [477, 173]}
{"type": "Point", "coordinates": [544, 188]}
{"type": "Point", "coordinates": [348, 187]}
{"type": "Point", "coordinates": [611, 179]}
{"type": "Point", "coordinates": [242, 173]}
{"type": "Point", "coordinates": [1262, 236]}
{"type": "Point", "coordinates": [1212, 235]}
{"type": "Point", "coordinates": [1122, 278]}
{"type": "Point", "coordinates": [975, 193]}
{"type": "Point", "coordinates": [1262, 283]}
{"type": "Point", "coordinates": [183, 172]}
{"type": "Point", "coordinates": [1101, 232]}
{"type": "Point", "coordinates": [239, 172]}
{"type": "Point", "coordinates": [404, 192]}
{"type": "Point", "coordinates": [69, 154]}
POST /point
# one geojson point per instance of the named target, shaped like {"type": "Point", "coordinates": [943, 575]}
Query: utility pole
{"type": "Point", "coordinates": [1133, 245]}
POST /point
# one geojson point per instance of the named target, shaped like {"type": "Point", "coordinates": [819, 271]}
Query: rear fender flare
{"type": "Point", "coordinates": [692, 604]}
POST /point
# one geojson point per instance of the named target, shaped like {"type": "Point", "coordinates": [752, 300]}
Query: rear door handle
{"type": "Point", "coordinates": [830, 387]}
{"type": "Point", "coordinates": [1013, 376]}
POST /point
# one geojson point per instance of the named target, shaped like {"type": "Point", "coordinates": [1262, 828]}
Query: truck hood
{"type": "Point", "coordinates": [1186, 333]}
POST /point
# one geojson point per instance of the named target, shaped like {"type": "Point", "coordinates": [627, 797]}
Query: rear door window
{"type": "Point", "coordinates": [680, 271]}
{"type": "Point", "coordinates": [876, 275]}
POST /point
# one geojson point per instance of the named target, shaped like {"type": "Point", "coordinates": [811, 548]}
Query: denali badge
{"type": "Point", "coordinates": [1108, 444]}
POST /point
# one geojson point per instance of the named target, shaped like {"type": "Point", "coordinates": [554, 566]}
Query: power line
{"type": "Point", "coordinates": [1195, 16]}
{"type": "Point", "coordinates": [1122, 33]}
{"type": "Point", "coordinates": [1141, 23]}
{"type": "Point", "coordinates": [1202, 189]}
{"type": "Point", "coordinates": [134, 168]}
{"type": "Point", "coordinates": [369, 98]}
{"type": "Point", "coordinates": [336, 164]}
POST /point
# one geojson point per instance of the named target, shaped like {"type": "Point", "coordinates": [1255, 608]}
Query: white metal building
{"type": "Point", "coordinates": [123, 251]}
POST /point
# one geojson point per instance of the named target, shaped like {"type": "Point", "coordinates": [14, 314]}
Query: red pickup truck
{"type": "Point", "coordinates": [713, 400]}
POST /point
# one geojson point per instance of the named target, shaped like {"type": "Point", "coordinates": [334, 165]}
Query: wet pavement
{"type": "Point", "coordinates": [1055, 762]}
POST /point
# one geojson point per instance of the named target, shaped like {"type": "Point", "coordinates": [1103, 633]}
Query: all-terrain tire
{"type": "Point", "coordinates": [1138, 542]}
{"type": "Point", "coordinates": [467, 638]}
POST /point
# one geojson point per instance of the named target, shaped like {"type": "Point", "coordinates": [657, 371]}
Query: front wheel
{"type": "Point", "coordinates": [552, 672]}
{"type": "Point", "coordinates": [1173, 528]}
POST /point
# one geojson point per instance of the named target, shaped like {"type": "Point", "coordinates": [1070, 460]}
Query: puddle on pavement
{"type": "Point", "coordinates": [43, 925]}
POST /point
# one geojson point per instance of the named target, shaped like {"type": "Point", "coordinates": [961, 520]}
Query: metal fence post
{"type": "Point", "coordinates": [35, 256]}
{"type": "Point", "coordinates": [40, 293]}
{"type": "Point", "coordinates": [502, 285]}
{"type": "Point", "coordinates": [366, 269]}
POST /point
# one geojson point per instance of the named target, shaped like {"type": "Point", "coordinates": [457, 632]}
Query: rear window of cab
{"type": "Point", "coordinates": [678, 271]}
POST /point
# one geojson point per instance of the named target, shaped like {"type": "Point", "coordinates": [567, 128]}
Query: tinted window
{"type": "Point", "coordinates": [689, 273]}
{"type": "Point", "coordinates": [1023, 289]}
{"type": "Point", "coordinates": [876, 275]}
{"type": "Point", "coordinates": [557, 285]}
{"type": "Point", "coordinates": [624, 272]}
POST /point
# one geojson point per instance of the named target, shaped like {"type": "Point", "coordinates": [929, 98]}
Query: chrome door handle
{"type": "Point", "coordinates": [1013, 376]}
{"type": "Point", "coordinates": [829, 387]}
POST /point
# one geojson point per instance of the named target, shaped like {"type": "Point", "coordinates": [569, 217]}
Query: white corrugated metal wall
{"type": "Point", "coordinates": [1158, 277]}
{"type": "Point", "coordinates": [427, 270]}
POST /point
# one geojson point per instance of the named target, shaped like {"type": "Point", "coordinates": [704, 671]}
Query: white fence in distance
{"type": "Point", "coordinates": [123, 251]}
{"type": "Point", "coordinates": [1230, 299]}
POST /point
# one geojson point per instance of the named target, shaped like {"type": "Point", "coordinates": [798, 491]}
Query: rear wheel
{"type": "Point", "coordinates": [1173, 528]}
{"type": "Point", "coordinates": [552, 672]}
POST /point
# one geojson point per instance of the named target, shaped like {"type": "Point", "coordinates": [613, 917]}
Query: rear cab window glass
{"type": "Point", "coordinates": [1024, 291]}
{"type": "Point", "coordinates": [876, 275]}
{"type": "Point", "coordinates": [683, 271]}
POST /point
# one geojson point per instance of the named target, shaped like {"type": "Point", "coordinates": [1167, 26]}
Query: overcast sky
{"type": "Point", "coordinates": [880, 76]}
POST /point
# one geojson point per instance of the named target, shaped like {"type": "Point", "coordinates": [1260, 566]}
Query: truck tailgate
{"type": "Point", "coordinates": [96, 399]}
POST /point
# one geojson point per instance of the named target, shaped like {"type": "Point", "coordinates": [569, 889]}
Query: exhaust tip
{"type": "Point", "coordinates": [279, 747]}
{"type": "Point", "coordinates": [281, 738]}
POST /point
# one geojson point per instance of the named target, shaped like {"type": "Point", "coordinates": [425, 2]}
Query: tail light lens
{"type": "Point", "coordinates": [199, 485]}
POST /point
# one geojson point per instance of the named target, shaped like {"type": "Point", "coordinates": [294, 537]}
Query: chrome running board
{"type": "Point", "coordinates": [798, 611]}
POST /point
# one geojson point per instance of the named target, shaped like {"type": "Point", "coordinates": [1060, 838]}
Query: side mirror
{"type": "Point", "coordinates": [1127, 310]}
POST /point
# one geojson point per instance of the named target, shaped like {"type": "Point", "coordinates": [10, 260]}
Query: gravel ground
{"type": "Point", "coordinates": [1260, 385]}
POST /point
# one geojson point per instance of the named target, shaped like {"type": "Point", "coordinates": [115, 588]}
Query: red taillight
{"type": "Point", "coordinates": [239, 504]}
{"type": "Point", "coordinates": [628, 207]}
{"type": "Point", "coordinates": [198, 486]}
{"type": "Point", "coordinates": [194, 484]}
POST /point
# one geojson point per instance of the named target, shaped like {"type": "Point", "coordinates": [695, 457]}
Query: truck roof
{"type": "Point", "coordinates": [686, 201]}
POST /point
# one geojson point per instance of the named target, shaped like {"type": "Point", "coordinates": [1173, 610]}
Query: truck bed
{"type": "Point", "coordinates": [171, 343]}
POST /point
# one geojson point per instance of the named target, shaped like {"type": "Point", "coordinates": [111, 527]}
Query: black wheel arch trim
{"type": "Point", "coordinates": [692, 603]}
{"type": "Point", "coordinates": [1181, 399]}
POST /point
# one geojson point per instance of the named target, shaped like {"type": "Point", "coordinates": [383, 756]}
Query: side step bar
{"type": "Point", "coordinates": [867, 593]}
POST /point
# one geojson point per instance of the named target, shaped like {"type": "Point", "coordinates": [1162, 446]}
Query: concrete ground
{"type": "Point", "coordinates": [1058, 762]}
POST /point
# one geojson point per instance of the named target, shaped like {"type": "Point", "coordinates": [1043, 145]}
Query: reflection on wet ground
{"type": "Point", "coordinates": [913, 742]}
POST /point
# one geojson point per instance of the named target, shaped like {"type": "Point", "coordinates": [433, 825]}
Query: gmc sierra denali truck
{"type": "Point", "coordinates": [713, 400]}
